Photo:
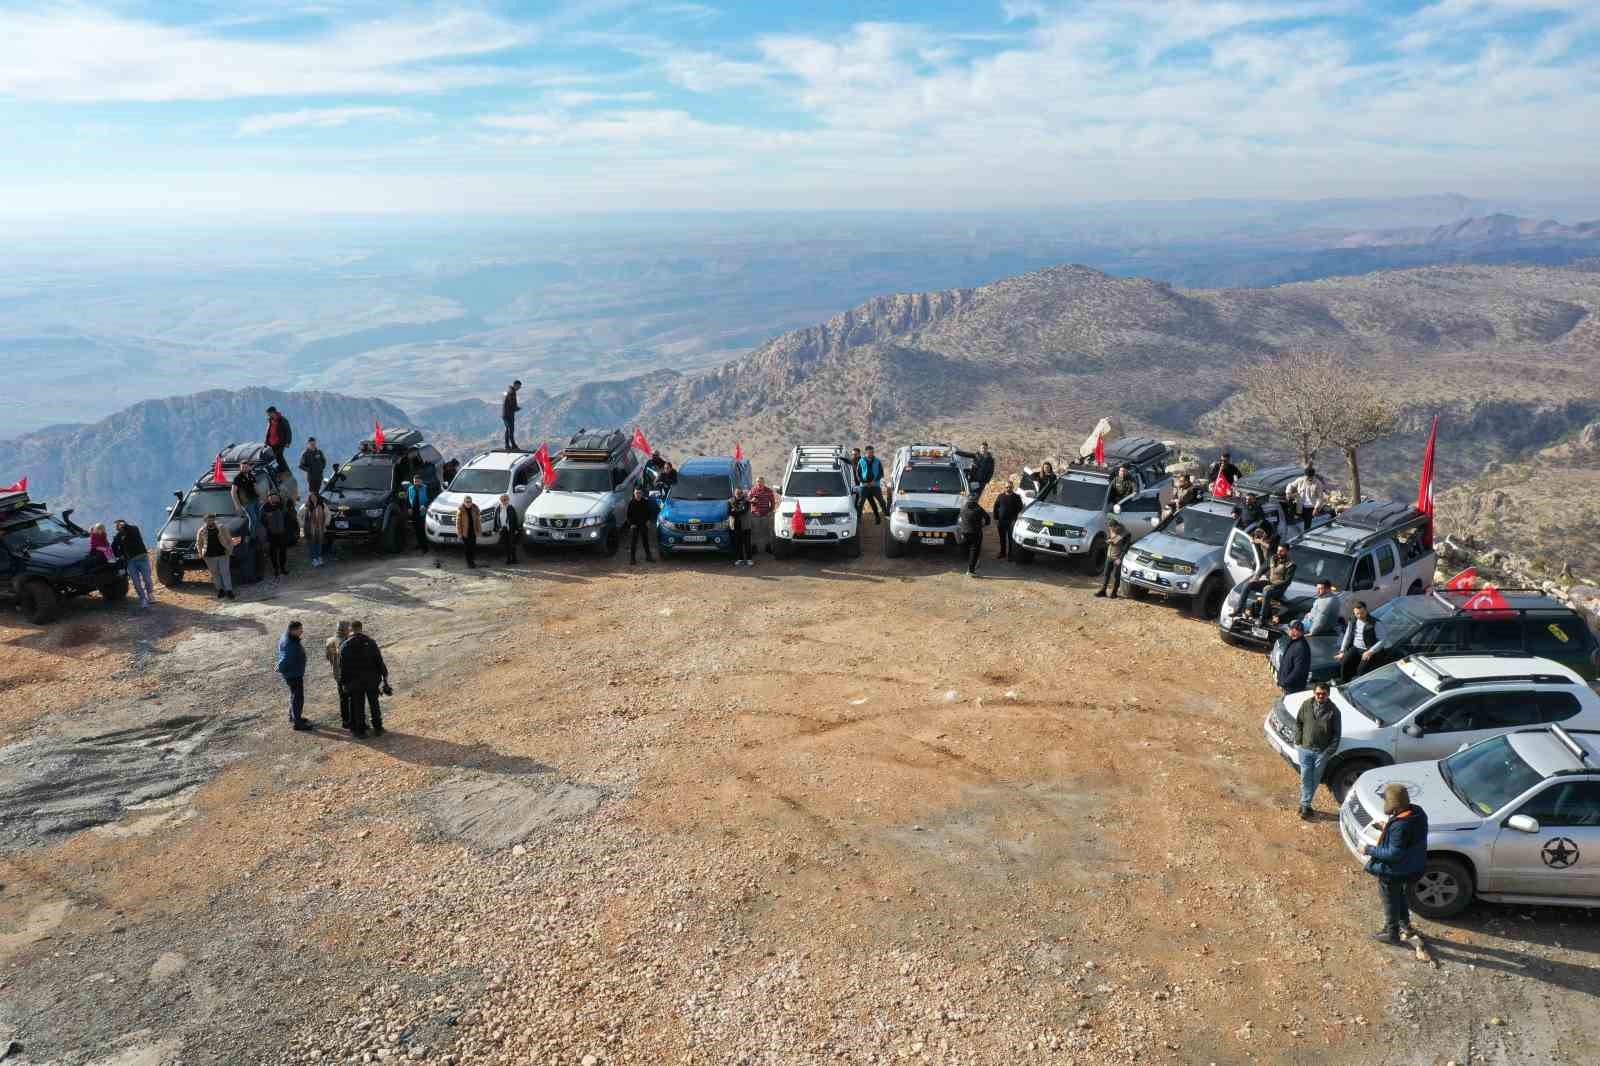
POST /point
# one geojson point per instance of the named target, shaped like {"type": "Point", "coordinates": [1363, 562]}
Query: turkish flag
{"type": "Point", "coordinates": [640, 443]}
{"type": "Point", "coordinates": [21, 486]}
{"type": "Point", "coordinates": [377, 434]}
{"type": "Point", "coordinates": [1100, 451]}
{"type": "Point", "coordinates": [1222, 486]}
{"type": "Point", "coordinates": [1425, 485]}
{"type": "Point", "coordinates": [738, 451]}
{"type": "Point", "coordinates": [1464, 581]}
{"type": "Point", "coordinates": [216, 470]}
{"type": "Point", "coordinates": [1486, 601]}
{"type": "Point", "coordinates": [542, 457]}
{"type": "Point", "coordinates": [797, 524]}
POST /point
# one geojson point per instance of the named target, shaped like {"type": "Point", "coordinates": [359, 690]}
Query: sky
{"type": "Point", "coordinates": [383, 106]}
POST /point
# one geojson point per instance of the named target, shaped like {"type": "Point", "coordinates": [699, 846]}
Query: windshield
{"type": "Point", "coordinates": [1082, 495]}
{"type": "Point", "coordinates": [1386, 695]}
{"type": "Point", "coordinates": [1488, 776]}
{"type": "Point", "coordinates": [40, 533]}
{"type": "Point", "coordinates": [1396, 619]}
{"type": "Point", "coordinates": [701, 487]}
{"type": "Point", "coordinates": [1312, 566]}
{"type": "Point", "coordinates": [591, 478]}
{"type": "Point", "coordinates": [202, 502]}
{"type": "Point", "coordinates": [941, 479]}
{"type": "Point", "coordinates": [484, 482]}
{"type": "Point", "coordinates": [1202, 527]}
{"type": "Point", "coordinates": [814, 483]}
{"type": "Point", "coordinates": [362, 477]}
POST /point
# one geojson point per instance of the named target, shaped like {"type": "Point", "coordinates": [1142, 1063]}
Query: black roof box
{"type": "Point", "coordinates": [1269, 481]}
{"type": "Point", "coordinates": [589, 444]}
{"type": "Point", "coordinates": [12, 501]}
{"type": "Point", "coordinates": [398, 439]}
{"type": "Point", "coordinates": [1134, 450]}
{"type": "Point", "coordinates": [247, 452]}
{"type": "Point", "coordinates": [1378, 515]}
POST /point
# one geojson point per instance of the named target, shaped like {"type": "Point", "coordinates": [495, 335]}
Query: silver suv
{"type": "Point", "coordinates": [587, 505]}
{"type": "Point", "coordinates": [927, 483]}
{"type": "Point", "coordinates": [1069, 519]}
{"type": "Point", "coordinates": [1513, 819]}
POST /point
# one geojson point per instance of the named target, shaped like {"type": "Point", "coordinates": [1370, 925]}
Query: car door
{"type": "Point", "coordinates": [1465, 718]}
{"type": "Point", "coordinates": [1563, 857]}
{"type": "Point", "coordinates": [524, 490]}
{"type": "Point", "coordinates": [1364, 583]}
{"type": "Point", "coordinates": [1388, 571]}
{"type": "Point", "coordinates": [1242, 558]}
{"type": "Point", "coordinates": [10, 566]}
{"type": "Point", "coordinates": [1141, 512]}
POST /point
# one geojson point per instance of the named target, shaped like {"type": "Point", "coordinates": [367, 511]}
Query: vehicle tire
{"type": "Point", "coordinates": [1096, 559]}
{"type": "Point", "coordinates": [892, 548]}
{"type": "Point", "coordinates": [782, 549]}
{"type": "Point", "coordinates": [1343, 777]}
{"type": "Point", "coordinates": [610, 542]}
{"type": "Point", "coordinates": [391, 541]}
{"type": "Point", "coordinates": [169, 574]}
{"type": "Point", "coordinates": [38, 603]}
{"type": "Point", "coordinates": [1207, 603]}
{"type": "Point", "coordinates": [1444, 889]}
{"type": "Point", "coordinates": [115, 591]}
{"type": "Point", "coordinates": [854, 550]}
{"type": "Point", "coordinates": [1020, 555]}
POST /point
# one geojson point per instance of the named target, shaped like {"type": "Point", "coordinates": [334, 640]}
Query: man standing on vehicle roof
{"type": "Point", "coordinates": [128, 545]}
{"type": "Point", "coordinates": [1359, 645]}
{"type": "Point", "coordinates": [982, 470]}
{"type": "Point", "coordinates": [763, 501]}
{"type": "Point", "coordinates": [1316, 738]}
{"type": "Point", "coordinates": [1399, 856]}
{"type": "Point", "coordinates": [508, 414]}
{"type": "Point", "coordinates": [292, 668]}
{"type": "Point", "coordinates": [973, 519]}
{"type": "Point", "coordinates": [1007, 506]}
{"type": "Point", "coordinates": [314, 463]}
{"type": "Point", "coordinates": [417, 504]}
{"type": "Point", "coordinates": [1294, 665]}
{"type": "Point", "coordinates": [469, 523]}
{"type": "Point", "coordinates": [869, 471]}
{"type": "Point", "coordinates": [1307, 493]}
{"type": "Point", "coordinates": [1117, 540]}
{"type": "Point", "coordinates": [640, 516]}
{"type": "Point", "coordinates": [279, 435]}
{"type": "Point", "coordinates": [1323, 617]}
{"type": "Point", "coordinates": [510, 526]}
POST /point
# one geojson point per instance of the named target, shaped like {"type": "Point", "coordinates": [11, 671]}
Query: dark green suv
{"type": "Point", "coordinates": [45, 558]}
{"type": "Point", "coordinates": [1437, 623]}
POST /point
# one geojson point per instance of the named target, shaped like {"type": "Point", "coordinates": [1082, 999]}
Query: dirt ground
{"type": "Point", "coordinates": [818, 811]}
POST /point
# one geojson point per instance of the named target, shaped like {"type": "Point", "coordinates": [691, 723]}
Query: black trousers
{"type": "Point", "coordinates": [508, 541]}
{"type": "Point", "coordinates": [639, 535]}
{"type": "Point", "coordinates": [974, 550]}
{"type": "Point", "coordinates": [364, 697]}
{"type": "Point", "coordinates": [469, 547]}
{"type": "Point", "coordinates": [874, 495]}
{"type": "Point", "coordinates": [344, 706]}
{"type": "Point", "coordinates": [1111, 576]}
{"type": "Point", "coordinates": [511, 433]}
{"type": "Point", "coordinates": [741, 545]}
{"type": "Point", "coordinates": [1005, 539]}
{"type": "Point", "coordinates": [313, 484]}
{"type": "Point", "coordinates": [277, 452]}
{"type": "Point", "coordinates": [1396, 903]}
{"type": "Point", "coordinates": [1351, 666]}
{"type": "Point", "coordinates": [278, 551]}
{"type": "Point", "coordinates": [419, 529]}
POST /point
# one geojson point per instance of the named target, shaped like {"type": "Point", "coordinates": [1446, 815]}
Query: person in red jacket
{"type": "Point", "coordinates": [763, 501]}
{"type": "Point", "coordinates": [279, 435]}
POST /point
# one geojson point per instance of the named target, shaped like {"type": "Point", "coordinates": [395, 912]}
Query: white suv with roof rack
{"type": "Point", "coordinates": [1424, 708]}
{"type": "Point", "coordinates": [1511, 819]}
{"type": "Point", "coordinates": [485, 478]}
{"type": "Point", "coordinates": [819, 482]}
{"type": "Point", "coordinates": [926, 486]}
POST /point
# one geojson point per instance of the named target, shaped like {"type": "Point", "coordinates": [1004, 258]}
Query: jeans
{"type": "Point", "coordinates": [874, 495]}
{"type": "Point", "coordinates": [221, 573]}
{"type": "Point", "coordinates": [139, 574]}
{"type": "Point", "coordinates": [1396, 904]}
{"type": "Point", "coordinates": [1005, 538]}
{"type": "Point", "coordinates": [1312, 762]}
{"type": "Point", "coordinates": [252, 511]}
{"type": "Point", "coordinates": [297, 698]}
{"type": "Point", "coordinates": [314, 549]}
{"type": "Point", "coordinates": [1268, 594]}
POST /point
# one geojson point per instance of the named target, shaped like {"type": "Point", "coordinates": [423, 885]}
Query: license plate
{"type": "Point", "coordinates": [1043, 542]}
{"type": "Point", "coordinates": [694, 538]}
{"type": "Point", "coordinates": [932, 538]}
{"type": "Point", "coordinates": [1140, 574]}
{"type": "Point", "coordinates": [563, 536]}
{"type": "Point", "coordinates": [1258, 632]}
{"type": "Point", "coordinates": [339, 523]}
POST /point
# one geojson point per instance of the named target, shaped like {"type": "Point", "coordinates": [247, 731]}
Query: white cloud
{"type": "Point", "coordinates": [325, 118]}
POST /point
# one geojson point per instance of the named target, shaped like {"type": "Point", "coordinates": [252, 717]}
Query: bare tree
{"type": "Point", "coordinates": [1297, 395]}
{"type": "Point", "coordinates": [1363, 414]}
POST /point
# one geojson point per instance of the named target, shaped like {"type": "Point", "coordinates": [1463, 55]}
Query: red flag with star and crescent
{"type": "Point", "coordinates": [1425, 484]}
{"type": "Point", "coordinates": [542, 457]}
{"type": "Point", "coordinates": [377, 434]}
{"type": "Point", "coordinates": [1487, 601]}
{"type": "Point", "coordinates": [216, 470]}
{"type": "Point", "coordinates": [1465, 581]}
{"type": "Point", "coordinates": [640, 443]}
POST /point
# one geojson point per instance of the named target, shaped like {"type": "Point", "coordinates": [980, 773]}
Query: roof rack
{"type": "Point", "coordinates": [399, 439]}
{"type": "Point", "coordinates": [1379, 516]}
{"type": "Point", "coordinates": [1578, 751]}
{"type": "Point", "coordinates": [1268, 481]}
{"type": "Point", "coordinates": [1449, 681]}
{"type": "Point", "coordinates": [824, 455]}
{"type": "Point", "coordinates": [594, 446]}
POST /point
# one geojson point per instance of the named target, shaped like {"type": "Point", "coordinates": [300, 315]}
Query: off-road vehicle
{"type": "Point", "coordinates": [588, 504]}
{"type": "Point", "coordinates": [820, 482]}
{"type": "Point", "coordinates": [1373, 552]}
{"type": "Point", "coordinates": [366, 495]}
{"type": "Point", "coordinates": [45, 558]}
{"type": "Point", "coordinates": [694, 516]}
{"type": "Point", "coordinates": [926, 485]}
{"type": "Point", "coordinates": [1069, 520]}
{"type": "Point", "coordinates": [1438, 623]}
{"type": "Point", "coordinates": [1425, 708]}
{"type": "Point", "coordinates": [175, 553]}
{"type": "Point", "coordinates": [1512, 819]}
{"type": "Point", "coordinates": [1183, 559]}
{"type": "Point", "coordinates": [485, 478]}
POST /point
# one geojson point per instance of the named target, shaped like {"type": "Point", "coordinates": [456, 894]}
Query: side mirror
{"type": "Point", "coordinates": [177, 494]}
{"type": "Point", "coordinates": [1412, 729]}
{"type": "Point", "coordinates": [1116, 508]}
{"type": "Point", "coordinates": [1522, 823]}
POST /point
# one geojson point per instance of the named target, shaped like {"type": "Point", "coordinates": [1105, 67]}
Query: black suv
{"type": "Point", "coordinates": [45, 559]}
{"type": "Point", "coordinates": [175, 548]}
{"type": "Point", "coordinates": [366, 496]}
{"type": "Point", "coordinates": [1437, 623]}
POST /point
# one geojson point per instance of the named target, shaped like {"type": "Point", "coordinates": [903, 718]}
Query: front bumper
{"type": "Point", "coordinates": [707, 539]}
{"type": "Point", "coordinates": [1350, 830]}
{"type": "Point", "coordinates": [1243, 632]}
{"type": "Point", "coordinates": [1162, 581]}
{"type": "Point", "coordinates": [578, 537]}
{"type": "Point", "coordinates": [180, 558]}
{"type": "Point", "coordinates": [1045, 542]}
{"type": "Point", "coordinates": [1285, 748]}
{"type": "Point", "coordinates": [924, 536]}
{"type": "Point", "coordinates": [352, 525]}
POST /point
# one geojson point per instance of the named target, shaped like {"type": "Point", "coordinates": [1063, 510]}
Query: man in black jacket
{"type": "Point", "coordinates": [128, 545]}
{"type": "Point", "coordinates": [1316, 738]}
{"type": "Point", "coordinates": [1117, 541]}
{"type": "Point", "coordinates": [1294, 667]}
{"type": "Point", "coordinates": [364, 674]}
{"type": "Point", "coordinates": [1007, 506]}
{"type": "Point", "coordinates": [508, 414]}
{"type": "Point", "coordinates": [509, 523]}
{"type": "Point", "coordinates": [641, 516]}
{"type": "Point", "coordinates": [314, 463]}
{"type": "Point", "coordinates": [1359, 645]}
{"type": "Point", "coordinates": [973, 519]}
{"type": "Point", "coordinates": [1222, 466]}
{"type": "Point", "coordinates": [739, 515]}
{"type": "Point", "coordinates": [1122, 485]}
{"type": "Point", "coordinates": [982, 470]}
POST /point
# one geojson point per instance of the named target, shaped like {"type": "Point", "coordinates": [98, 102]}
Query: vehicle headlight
{"type": "Point", "coordinates": [899, 516]}
{"type": "Point", "coordinates": [374, 512]}
{"type": "Point", "coordinates": [1031, 526]}
{"type": "Point", "coordinates": [1183, 568]}
{"type": "Point", "coordinates": [593, 519]}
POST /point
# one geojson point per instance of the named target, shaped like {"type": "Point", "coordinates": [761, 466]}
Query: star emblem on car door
{"type": "Point", "coordinates": [1559, 853]}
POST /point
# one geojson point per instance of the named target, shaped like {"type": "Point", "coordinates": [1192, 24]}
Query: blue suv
{"type": "Point", "coordinates": [694, 516]}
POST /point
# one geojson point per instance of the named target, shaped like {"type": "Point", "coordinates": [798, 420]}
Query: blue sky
{"type": "Point", "coordinates": [603, 105]}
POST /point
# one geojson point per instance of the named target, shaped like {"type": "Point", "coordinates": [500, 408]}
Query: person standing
{"type": "Point", "coordinates": [1184, 493]}
{"type": "Point", "coordinates": [1323, 617]}
{"type": "Point", "coordinates": [1117, 540]}
{"type": "Point", "coordinates": [1399, 856]}
{"type": "Point", "coordinates": [292, 668]}
{"type": "Point", "coordinates": [1294, 665]}
{"type": "Point", "coordinates": [973, 519]}
{"type": "Point", "coordinates": [982, 470]}
{"type": "Point", "coordinates": [469, 523]}
{"type": "Point", "coordinates": [331, 651]}
{"type": "Point", "coordinates": [1359, 645]}
{"type": "Point", "coordinates": [1307, 492]}
{"type": "Point", "coordinates": [279, 435]}
{"type": "Point", "coordinates": [1007, 506]}
{"type": "Point", "coordinates": [246, 496]}
{"type": "Point", "coordinates": [1316, 738]}
{"type": "Point", "coordinates": [275, 520]}
{"type": "Point", "coordinates": [365, 674]}
{"type": "Point", "coordinates": [100, 543]}
{"type": "Point", "coordinates": [417, 505]}
{"type": "Point", "coordinates": [1224, 465]}
{"type": "Point", "coordinates": [641, 514]}
{"type": "Point", "coordinates": [739, 516]}
{"type": "Point", "coordinates": [509, 523]}
{"type": "Point", "coordinates": [314, 464]}
{"type": "Point", "coordinates": [869, 471]}
{"type": "Point", "coordinates": [128, 545]}
{"type": "Point", "coordinates": [314, 525]}
{"type": "Point", "coordinates": [215, 546]}
{"type": "Point", "coordinates": [508, 414]}
{"type": "Point", "coordinates": [763, 501]}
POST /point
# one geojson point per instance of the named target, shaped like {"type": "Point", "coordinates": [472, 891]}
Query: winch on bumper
{"type": "Point", "coordinates": [930, 527]}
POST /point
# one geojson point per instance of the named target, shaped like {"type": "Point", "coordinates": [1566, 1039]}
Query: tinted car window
{"type": "Point", "coordinates": [1569, 803]}
{"type": "Point", "coordinates": [1386, 560]}
{"type": "Point", "coordinates": [1443, 636]}
{"type": "Point", "coordinates": [1487, 710]}
{"type": "Point", "coordinates": [1494, 634]}
{"type": "Point", "coordinates": [1553, 636]}
{"type": "Point", "coordinates": [1142, 504]}
{"type": "Point", "coordinates": [1240, 552]}
{"type": "Point", "coordinates": [1365, 575]}
{"type": "Point", "coordinates": [1557, 706]}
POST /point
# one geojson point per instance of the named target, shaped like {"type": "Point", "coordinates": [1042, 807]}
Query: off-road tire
{"type": "Point", "coordinates": [115, 591]}
{"type": "Point", "coordinates": [169, 574]}
{"type": "Point", "coordinates": [1096, 559]}
{"type": "Point", "coordinates": [1019, 555]}
{"type": "Point", "coordinates": [782, 549]}
{"type": "Point", "coordinates": [38, 603]}
{"type": "Point", "coordinates": [392, 540]}
{"type": "Point", "coordinates": [853, 550]}
{"type": "Point", "coordinates": [1444, 889]}
{"type": "Point", "coordinates": [611, 541]}
{"type": "Point", "coordinates": [1207, 603]}
{"type": "Point", "coordinates": [1343, 777]}
{"type": "Point", "coordinates": [892, 548]}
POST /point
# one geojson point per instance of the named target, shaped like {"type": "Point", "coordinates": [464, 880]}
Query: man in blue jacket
{"type": "Point", "coordinates": [292, 667]}
{"type": "Point", "coordinates": [1294, 666]}
{"type": "Point", "coordinates": [869, 471]}
{"type": "Point", "coordinates": [417, 503]}
{"type": "Point", "coordinates": [1397, 859]}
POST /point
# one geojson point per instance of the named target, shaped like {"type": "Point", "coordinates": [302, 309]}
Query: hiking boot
{"type": "Point", "coordinates": [1305, 814]}
{"type": "Point", "coordinates": [377, 730]}
{"type": "Point", "coordinates": [1387, 936]}
{"type": "Point", "coordinates": [1100, 595]}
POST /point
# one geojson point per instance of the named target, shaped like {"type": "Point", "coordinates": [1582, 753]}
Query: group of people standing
{"type": "Point", "coordinates": [359, 673]}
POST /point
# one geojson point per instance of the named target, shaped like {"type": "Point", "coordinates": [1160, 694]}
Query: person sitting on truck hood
{"type": "Point", "coordinates": [1359, 645]}
{"type": "Point", "coordinates": [1323, 617]}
